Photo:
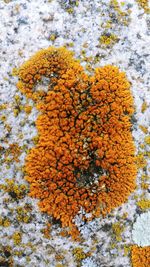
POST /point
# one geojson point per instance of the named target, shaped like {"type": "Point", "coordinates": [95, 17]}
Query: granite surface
{"type": "Point", "coordinates": [99, 33]}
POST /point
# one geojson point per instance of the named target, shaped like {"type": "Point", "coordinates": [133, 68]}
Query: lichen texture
{"type": "Point", "coordinates": [85, 153]}
{"type": "Point", "coordinates": [140, 256]}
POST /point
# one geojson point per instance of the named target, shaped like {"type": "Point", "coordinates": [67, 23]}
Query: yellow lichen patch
{"type": "Point", "coordinates": [144, 177]}
{"type": "Point", "coordinates": [22, 214]}
{"type": "Point", "coordinates": [17, 238]}
{"type": "Point", "coordinates": [3, 118]}
{"type": "Point", "coordinates": [53, 37]}
{"type": "Point", "coordinates": [144, 129]}
{"type": "Point", "coordinates": [17, 107]}
{"type": "Point", "coordinates": [125, 215]}
{"type": "Point", "coordinates": [69, 10]}
{"type": "Point", "coordinates": [84, 129]}
{"type": "Point", "coordinates": [144, 4]}
{"type": "Point", "coordinates": [140, 256]}
{"type": "Point", "coordinates": [3, 106]}
{"type": "Point", "coordinates": [141, 161]}
{"type": "Point", "coordinates": [144, 186]}
{"type": "Point", "coordinates": [14, 71]}
{"type": "Point", "coordinates": [18, 252]}
{"type": "Point", "coordinates": [5, 222]}
{"type": "Point", "coordinates": [79, 254]}
{"type": "Point", "coordinates": [121, 16]}
{"type": "Point", "coordinates": [144, 107]}
{"type": "Point", "coordinates": [113, 245]}
{"type": "Point", "coordinates": [127, 250]}
{"type": "Point", "coordinates": [117, 231]}
{"type": "Point", "coordinates": [144, 204]}
{"type": "Point", "coordinates": [13, 152]}
{"type": "Point", "coordinates": [35, 139]}
{"type": "Point", "coordinates": [147, 140]}
{"type": "Point", "coordinates": [14, 190]}
{"type": "Point", "coordinates": [108, 39]}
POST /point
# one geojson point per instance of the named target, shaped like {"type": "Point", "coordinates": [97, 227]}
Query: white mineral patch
{"type": "Point", "coordinates": [141, 230]}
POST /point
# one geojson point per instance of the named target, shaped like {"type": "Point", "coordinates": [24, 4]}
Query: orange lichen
{"type": "Point", "coordinates": [85, 153]}
{"type": "Point", "coordinates": [28, 109]}
{"type": "Point", "coordinates": [140, 256]}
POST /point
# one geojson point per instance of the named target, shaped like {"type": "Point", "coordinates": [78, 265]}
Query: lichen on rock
{"type": "Point", "coordinates": [85, 153]}
{"type": "Point", "coordinates": [140, 256]}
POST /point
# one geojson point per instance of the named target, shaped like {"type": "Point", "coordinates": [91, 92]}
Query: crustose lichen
{"type": "Point", "coordinates": [85, 153]}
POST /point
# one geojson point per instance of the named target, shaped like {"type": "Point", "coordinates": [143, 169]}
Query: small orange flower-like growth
{"type": "Point", "coordinates": [140, 256]}
{"type": "Point", "coordinates": [85, 153]}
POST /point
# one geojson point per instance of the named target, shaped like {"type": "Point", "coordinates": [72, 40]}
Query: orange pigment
{"type": "Point", "coordinates": [84, 127]}
{"type": "Point", "coordinates": [140, 256]}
